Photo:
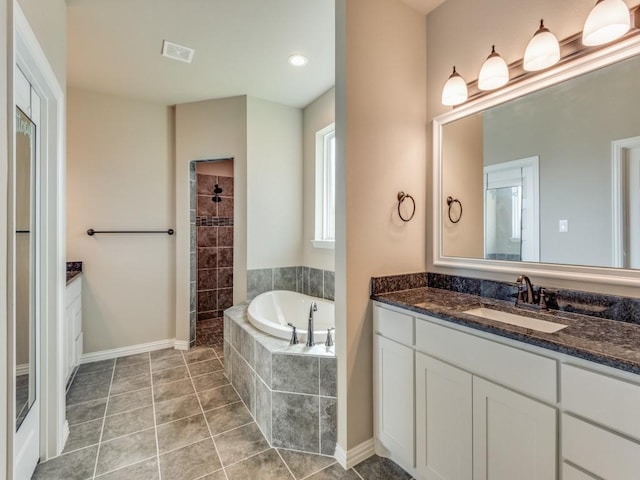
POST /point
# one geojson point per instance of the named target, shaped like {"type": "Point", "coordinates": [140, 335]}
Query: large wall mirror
{"type": "Point", "coordinates": [547, 172]}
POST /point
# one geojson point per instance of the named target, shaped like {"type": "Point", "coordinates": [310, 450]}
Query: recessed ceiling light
{"type": "Point", "coordinates": [177, 52]}
{"type": "Point", "coordinates": [298, 60]}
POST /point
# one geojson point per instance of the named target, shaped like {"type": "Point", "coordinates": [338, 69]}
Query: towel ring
{"type": "Point", "coordinates": [450, 202]}
{"type": "Point", "coordinates": [401, 198]}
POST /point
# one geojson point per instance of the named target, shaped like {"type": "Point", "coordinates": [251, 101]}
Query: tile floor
{"type": "Point", "coordinates": [169, 415]}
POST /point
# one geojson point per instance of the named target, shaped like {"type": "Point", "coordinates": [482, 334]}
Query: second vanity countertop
{"type": "Point", "coordinates": [608, 342]}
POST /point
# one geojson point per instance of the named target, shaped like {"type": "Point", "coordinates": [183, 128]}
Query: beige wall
{"type": "Point", "coordinates": [120, 177]}
{"type": "Point", "coordinates": [384, 127]}
{"type": "Point", "coordinates": [48, 20]}
{"type": "Point", "coordinates": [223, 168]}
{"type": "Point", "coordinates": [461, 32]}
{"type": "Point", "coordinates": [462, 179]}
{"type": "Point", "coordinates": [208, 130]}
{"type": "Point", "coordinates": [274, 184]}
{"type": "Point", "coordinates": [316, 116]}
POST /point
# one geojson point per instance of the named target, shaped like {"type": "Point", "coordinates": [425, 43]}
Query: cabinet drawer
{"type": "Point", "coordinates": [572, 473]}
{"type": "Point", "coordinates": [394, 325]}
{"type": "Point", "coordinates": [596, 450]}
{"type": "Point", "coordinates": [606, 400]}
{"type": "Point", "coordinates": [523, 371]}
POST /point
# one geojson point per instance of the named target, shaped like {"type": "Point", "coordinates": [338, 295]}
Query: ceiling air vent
{"type": "Point", "coordinates": [177, 52]}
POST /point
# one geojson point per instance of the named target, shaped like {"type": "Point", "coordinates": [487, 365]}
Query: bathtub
{"type": "Point", "coordinates": [272, 311]}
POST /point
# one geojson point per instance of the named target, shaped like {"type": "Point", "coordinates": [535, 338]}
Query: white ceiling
{"type": "Point", "coordinates": [241, 47]}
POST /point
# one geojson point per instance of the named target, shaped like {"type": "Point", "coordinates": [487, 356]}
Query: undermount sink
{"type": "Point", "coordinates": [517, 320]}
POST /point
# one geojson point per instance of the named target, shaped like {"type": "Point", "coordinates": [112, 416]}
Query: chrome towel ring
{"type": "Point", "coordinates": [401, 198]}
{"type": "Point", "coordinates": [450, 202]}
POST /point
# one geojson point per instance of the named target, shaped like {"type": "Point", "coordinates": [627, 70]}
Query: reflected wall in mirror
{"type": "Point", "coordinates": [585, 133]}
{"type": "Point", "coordinates": [24, 265]}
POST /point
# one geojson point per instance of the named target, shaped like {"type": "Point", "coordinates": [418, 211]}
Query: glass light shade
{"type": "Point", "coordinates": [608, 20]}
{"type": "Point", "coordinates": [542, 51]}
{"type": "Point", "coordinates": [455, 90]}
{"type": "Point", "coordinates": [494, 72]}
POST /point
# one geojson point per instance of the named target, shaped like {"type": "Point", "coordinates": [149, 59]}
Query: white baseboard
{"type": "Point", "coordinates": [133, 349]}
{"type": "Point", "coordinates": [22, 369]}
{"type": "Point", "coordinates": [348, 459]}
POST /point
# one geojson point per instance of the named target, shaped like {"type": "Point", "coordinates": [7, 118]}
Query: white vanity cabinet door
{"type": "Point", "coordinates": [514, 437]}
{"type": "Point", "coordinates": [444, 427]}
{"type": "Point", "coordinates": [395, 399]}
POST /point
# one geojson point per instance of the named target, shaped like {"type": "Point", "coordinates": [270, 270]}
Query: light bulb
{"type": "Point", "coordinates": [455, 90]}
{"type": "Point", "coordinates": [543, 50]}
{"type": "Point", "coordinates": [298, 60]}
{"type": "Point", "coordinates": [494, 72]}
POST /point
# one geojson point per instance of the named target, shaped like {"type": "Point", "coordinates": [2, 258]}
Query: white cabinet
{"type": "Point", "coordinates": [607, 444]}
{"type": "Point", "coordinates": [443, 420]}
{"type": "Point", "coordinates": [73, 325]}
{"type": "Point", "coordinates": [394, 385]}
{"type": "Point", "coordinates": [394, 406]}
{"type": "Point", "coordinates": [513, 436]}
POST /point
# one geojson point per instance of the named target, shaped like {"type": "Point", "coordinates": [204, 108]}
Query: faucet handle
{"type": "Point", "coordinates": [294, 335]}
{"type": "Point", "coordinates": [329, 342]}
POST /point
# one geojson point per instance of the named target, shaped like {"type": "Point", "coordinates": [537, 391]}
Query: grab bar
{"type": "Point", "coordinates": [91, 232]}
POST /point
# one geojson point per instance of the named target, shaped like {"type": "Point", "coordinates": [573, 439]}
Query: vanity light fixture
{"type": "Point", "coordinates": [494, 72]}
{"type": "Point", "coordinates": [298, 60]}
{"type": "Point", "coordinates": [455, 90]}
{"type": "Point", "coordinates": [607, 21]}
{"type": "Point", "coordinates": [543, 50]}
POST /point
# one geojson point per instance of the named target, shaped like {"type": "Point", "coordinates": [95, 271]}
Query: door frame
{"type": "Point", "coordinates": [618, 148]}
{"type": "Point", "coordinates": [34, 64]}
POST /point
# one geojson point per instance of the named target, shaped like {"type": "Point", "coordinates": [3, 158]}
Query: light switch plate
{"type": "Point", "coordinates": [563, 226]}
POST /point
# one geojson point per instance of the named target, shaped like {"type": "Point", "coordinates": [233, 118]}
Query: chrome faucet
{"type": "Point", "coordinates": [314, 308]}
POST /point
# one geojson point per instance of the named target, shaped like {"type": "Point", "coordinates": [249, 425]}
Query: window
{"type": "Point", "coordinates": [325, 210]}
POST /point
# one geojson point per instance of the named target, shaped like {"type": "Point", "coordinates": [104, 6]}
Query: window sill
{"type": "Point", "coordinates": [326, 244]}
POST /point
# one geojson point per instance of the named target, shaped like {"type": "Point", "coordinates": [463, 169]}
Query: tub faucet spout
{"type": "Point", "coordinates": [314, 308]}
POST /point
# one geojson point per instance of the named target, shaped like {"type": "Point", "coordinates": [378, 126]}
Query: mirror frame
{"type": "Point", "coordinates": [624, 49]}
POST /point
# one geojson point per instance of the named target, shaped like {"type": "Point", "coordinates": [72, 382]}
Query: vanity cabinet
{"type": "Point", "coordinates": [476, 415]}
{"type": "Point", "coordinates": [394, 385]}
{"type": "Point", "coordinates": [468, 427]}
{"type": "Point", "coordinates": [73, 326]}
{"type": "Point", "coordinates": [601, 424]}
{"type": "Point", "coordinates": [513, 435]}
{"type": "Point", "coordinates": [444, 426]}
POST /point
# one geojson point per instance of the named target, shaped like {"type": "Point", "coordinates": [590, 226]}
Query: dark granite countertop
{"type": "Point", "coordinates": [608, 342]}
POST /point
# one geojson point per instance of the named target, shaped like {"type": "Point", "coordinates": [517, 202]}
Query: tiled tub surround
{"type": "Point", "coordinates": [307, 280]}
{"type": "Point", "coordinates": [290, 390]}
{"type": "Point", "coordinates": [615, 343]}
{"type": "Point", "coordinates": [214, 256]}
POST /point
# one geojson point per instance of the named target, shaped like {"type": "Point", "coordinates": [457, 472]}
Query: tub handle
{"type": "Point", "coordinates": [329, 342]}
{"type": "Point", "coordinates": [294, 335]}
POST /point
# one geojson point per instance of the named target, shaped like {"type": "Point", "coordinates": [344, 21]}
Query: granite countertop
{"type": "Point", "coordinates": [74, 270]}
{"type": "Point", "coordinates": [608, 342]}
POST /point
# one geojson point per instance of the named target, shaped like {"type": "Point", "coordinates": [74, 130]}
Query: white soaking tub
{"type": "Point", "coordinates": [272, 311]}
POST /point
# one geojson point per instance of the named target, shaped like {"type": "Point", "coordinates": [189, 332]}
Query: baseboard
{"type": "Point", "coordinates": [348, 459]}
{"type": "Point", "coordinates": [22, 369]}
{"type": "Point", "coordinates": [133, 349]}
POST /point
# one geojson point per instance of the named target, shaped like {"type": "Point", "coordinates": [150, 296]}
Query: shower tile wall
{"type": "Point", "coordinates": [214, 240]}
